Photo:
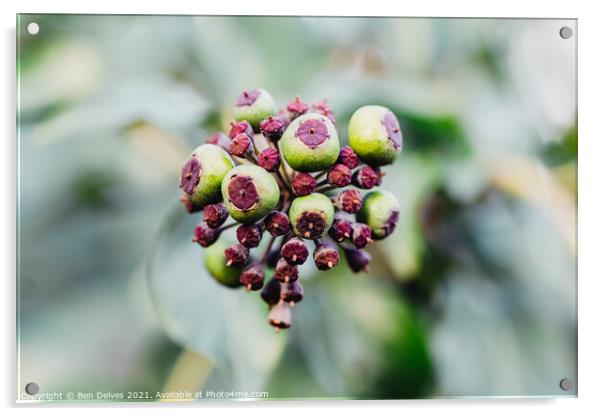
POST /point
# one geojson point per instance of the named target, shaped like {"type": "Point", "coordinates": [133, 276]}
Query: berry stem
{"type": "Point", "coordinates": [326, 189]}
{"type": "Point", "coordinates": [320, 174]}
{"type": "Point", "coordinates": [267, 250]}
{"type": "Point", "coordinates": [226, 226]}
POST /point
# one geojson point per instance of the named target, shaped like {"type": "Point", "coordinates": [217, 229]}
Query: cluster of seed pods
{"type": "Point", "coordinates": [282, 175]}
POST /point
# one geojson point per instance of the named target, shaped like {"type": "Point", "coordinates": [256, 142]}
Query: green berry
{"type": "Point", "coordinates": [249, 193]}
{"type": "Point", "coordinates": [310, 143]}
{"type": "Point", "coordinates": [254, 106]}
{"type": "Point", "coordinates": [380, 211]}
{"type": "Point", "coordinates": [375, 135]}
{"type": "Point", "coordinates": [202, 175]}
{"type": "Point", "coordinates": [311, 216]}
{"type": "Point", "coordinates": [215, 262]}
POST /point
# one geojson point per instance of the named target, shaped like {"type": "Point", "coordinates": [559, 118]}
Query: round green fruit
{"type": "Point", "coordinates": [311, 216]}
{"type": "Point", "coordinates": [375, 135]}
{"type": "Point", "coordinates": [254, 106]}
{"type": "Point", "coordinates": [215, 262]}
{"type": "Point", "coordinates": [249, 193]}
{"type": "Point", "coordinates": [380, 211]}
{"type": "Point", "coordinates": [310, 143]}
{"type": "Point", "coordinates": [202, 175]}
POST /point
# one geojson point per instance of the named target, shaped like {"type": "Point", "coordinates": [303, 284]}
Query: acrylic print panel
{"type": "Point", "coordinates": [397, 195]}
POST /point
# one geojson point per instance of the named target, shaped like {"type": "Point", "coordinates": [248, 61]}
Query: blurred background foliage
{"type": "Point", "coordinates": [474, 294]}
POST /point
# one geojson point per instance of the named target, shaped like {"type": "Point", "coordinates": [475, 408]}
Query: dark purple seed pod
{"type": "Point", "coordinates": [286, 272]}
{"type": "Point", "coordinates": [365, 178]}
{"type": "Point", "coordinates": [379, 174]}
{"type": "Point", "coordinates": [273, 257]}
{"type": "Point", "coordinates": [219, 139]}
{"type": "Point", "coordinates": [189, 205]}
{"type": "Point", "coordinates": [236, 255]}
{"type": "Point", "coordinates": [358, 260]}
{"type": "Point", "coordinates": [277, 223]}
{"type": "Point", "coordinates": [249, 235]}
{"type": "Point", "coordinates": [339, 175]}
{"type": "Point", "coordinates": [252, 277]}
{"type": "Point", "coordinates": [361, 235]}
{"type": "Point", "coordinates": [349, 201]}
{"type": "Point", "coordinates": [269, 159]}
{"type": "Point", "coordinates": [341, 227]}
{"type": "Point", "coordinates": [349, 158]}
{"type": "Point", "coordinates": [240, 127]}
{"type": "Point", "coordinates": [241, 146]}
{"type": "Point", "coordinates": [303, 184]}
{"type": "Point", "coordinates": [321, 107]}
{"type": "Point", "coordinates": [285, 117]}
{"type": "Point", "coordinates": [272, 128]}
{"type": "Point", "coordinates": [205, 235]}
{"type": "Point", "coordinates": [292, 292]}
{"type": "Point", "coordinates": [280, 316]}
{"type": "Point", "coordinates": [215, 214]}
{"type": "Point", "coordinates": [325, 256]}
{"type": "Point", "coordinates": [271, 292]}
{"type": "Point", "coordinates": [297, 108]}
{"type": "Point", "coordinates": [190, 175]}
{"type": "Point", "coordinates": [295, 251]}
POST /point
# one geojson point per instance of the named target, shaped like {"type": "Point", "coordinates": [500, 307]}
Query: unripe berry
{"type": "Point", "coordinates": [241, 146]}
{"type": "Point", "coordinates": [203, 173]}
{"type": "Point", "coordinates": [292, 292]}
{"type": "Point", "coordinates": [365, 178]}
{"type": "Point", "coordinates": [249, 193]}
{"type": "Point", "coordinates": [269, 159]}
{"type": "Point", "coordinates": [380, 211]}
{"type": "Point", "coordinates": [375, 135]}
{"type": "Point", "coordinates": [280, 315]}
{"type": "Point", "coordinates": [349, 158]}
{"type": "Point", "coordinates": [254, 106]}
{"type": "Point", "coordinates": [303, 184]}
{"type": "Point", "coordinates": [271, 292]}
{"type": "Point", "coordinates": [295, 251]}
{"type": "Point", "coordinates": [349, 201]}
{"type": "Point", "coordinates": [339, 175]}
{"type": "Point", "coordinates": [310, 143]}
{"type": "Point", "coordinates": [215, 262]}
{"type": "Point", "coordinates": [277, 223]}
{"type": "Point", "coordinates": [326, 256]}
{"type": "Point", "coordinates": [215, 214]}
{"type": "Point", "coordinates": [252, 277]}
{"type": "Point", "coordinates": [205, 235]}
{"type": "Point", "coordinates": [311, 216]}
{"type": "Point", "coordinates": [236, 255]}
{"type": "Point", "coordinates": [285, 271]}
{"type": "Point", "coordinates": [240, 127]}
{"type": "Point", "coordinates": [272, 128]}
{"type": "Point", "coordinates": [249, 235]}
{"type": "Point", "coordinates": [361, 235]}
{"type": "Point", "coordinates": [358, 260]}
{"type": "Point", "coordinates": [341, 227]}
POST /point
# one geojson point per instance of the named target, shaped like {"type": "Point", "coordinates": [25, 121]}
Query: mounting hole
{"type": "Point", "coordinates": [33, 28]}
{"type": "Point", "coordinates": [566, 32]}
{"type": "Point", "coordinates": [566, 384]}
{"type": "Point", "coordinates": [32, 388]}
